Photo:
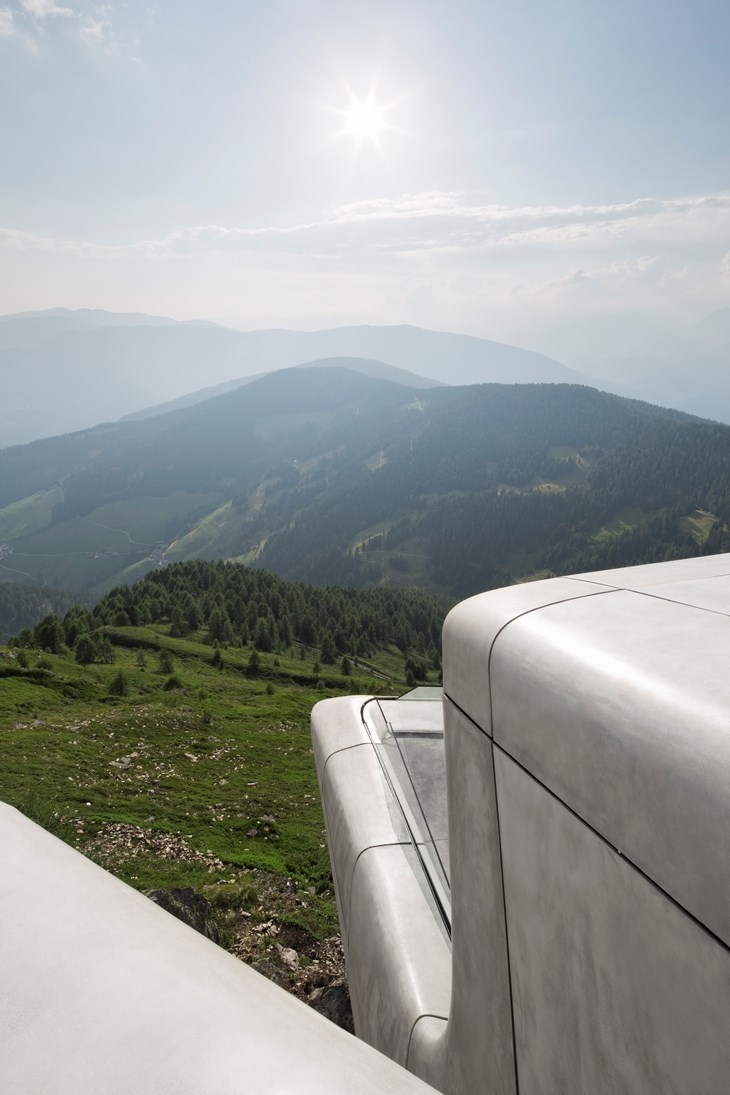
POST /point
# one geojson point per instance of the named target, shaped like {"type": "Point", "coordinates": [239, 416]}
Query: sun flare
{"type": "Point", "coordinates": [365, 119]}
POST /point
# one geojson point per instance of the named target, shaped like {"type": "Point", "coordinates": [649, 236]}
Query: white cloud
{"type": "Point", "coordinates": [433, 258]}
{"type": "Point", "coordinates": [31, 22]}
{"type": "Point", "coordinates": [623, 272]}
{"type": "Point", "coordinates": [631, 236]}
{"type": "Point", "coordinates": [92, 31]}
{"type": "Point", "coordinates": [40, 9]}
{"type": "Point", "coordinates": [447, 222]}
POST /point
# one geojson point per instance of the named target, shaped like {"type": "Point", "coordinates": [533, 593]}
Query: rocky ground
{"type": "Point", "coordinates": [252, 913]}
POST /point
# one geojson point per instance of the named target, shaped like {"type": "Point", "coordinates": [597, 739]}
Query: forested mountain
{"type": "Point", "coordinates": [334, 477]}
{"type": "Point", "coordinates": [376, 369]}
{"type": "Point", "coordinates": [23, 606]}
{"type": "Point", "coordinates": [67, 371]}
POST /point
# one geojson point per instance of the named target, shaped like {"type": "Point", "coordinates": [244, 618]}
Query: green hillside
{"type": "Point", "coordinates": [330, 476]}
{"type": "Point", "coordinates": [165, 733]}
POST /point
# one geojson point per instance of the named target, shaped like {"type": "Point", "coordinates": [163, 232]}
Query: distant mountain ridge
{"type": "Point", "coordinates": [684, 365]}
{"type": "Point", "coordinates": [330, 476]}
{"type": "Point", "coordinates": [376, 369]}
{"type": "Point", "coordinates": [65, 371]}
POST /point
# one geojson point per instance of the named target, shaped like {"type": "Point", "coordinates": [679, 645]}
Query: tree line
{"type": "Point", "coordinates": [227, 603]}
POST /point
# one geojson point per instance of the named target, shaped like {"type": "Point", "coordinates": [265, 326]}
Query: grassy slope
{"type": "Point", "coordinates": [28, 515]}
{"type": "Point", "coordinates": [210, 784]}
{"type": "Point", "coordinates": [95, 550]}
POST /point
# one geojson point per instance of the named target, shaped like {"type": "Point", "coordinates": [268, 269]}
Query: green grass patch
{"type": "Point", "coordinates": [209, 783]}
{"type": "Point", "coordinates": [28, 515]}
{"type": "Point", "coordinates": [145, 518]}
{"type": "Point", "coordinates": [700, 524]}
{"type": "Point", "coordinates": [135, 572]}
{"type": "Point", "coordinates": [622, 522]}
{"type": "Point", "coordinates": [205, 534]}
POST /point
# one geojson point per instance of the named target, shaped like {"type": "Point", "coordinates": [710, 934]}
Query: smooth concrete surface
{"type": "Point", "coordinates": [711, 593]}
{"type": "Point", "coordinates": [339, 726]}
{"type": "Point", "coordinates": [650, 574]}
{"type": "Point", "coordinates": [349, 777]}
{"type": "Point", "coordinates": [587, 753]}
{"type": "Point", "coordinates": [474, 1053]}
{"type": "Point", "coordinates": [620, 705]}
{"type": "Point", "coordinates": [104, 993]}
{"type": "Point", "coordinates": [405, 982]}
{"type": "Point", "coordinates": [399, 966]}
{"type": "Point", "coordinates": [398, 951]}
{"type": "Point", "coordinates": [616, 991]}
{"type": "Point", "coordinates": [472, 626]}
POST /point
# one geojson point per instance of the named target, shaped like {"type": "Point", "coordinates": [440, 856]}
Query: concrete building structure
{"type": "Point", "coordinates": [537, 899]}
{"type": "Point", "coordinates": [532, 872]}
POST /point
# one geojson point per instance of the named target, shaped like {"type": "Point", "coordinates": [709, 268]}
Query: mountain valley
{"type": "Point", "coordinates": [330, 476]}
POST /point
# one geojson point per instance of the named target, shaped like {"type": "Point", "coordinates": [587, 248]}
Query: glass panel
{"type": "Point", "coordinates": [408, 735]}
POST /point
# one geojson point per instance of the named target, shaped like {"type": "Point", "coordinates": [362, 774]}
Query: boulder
{"type": "Point", "coordinates": [190, 907]}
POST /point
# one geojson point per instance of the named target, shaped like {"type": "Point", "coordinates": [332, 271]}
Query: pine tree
{"type": "Point", "coordinates": [118, 685]}
{"type": "Point", "coordinates": [165, 662]}
{"type": "Point", "coordinates": [85, 649]}
{"type": "Point", "coordinates": [178, 624]}
{"type": "Point", "coordinates": [104, 650]}
{"type": "Point", "coordinates": [329, 650]}
{"type": "Point", "coordinates": [48, 635]}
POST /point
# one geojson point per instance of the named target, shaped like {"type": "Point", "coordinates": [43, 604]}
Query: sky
{"type": "Point", "coordinates": [505, 168]}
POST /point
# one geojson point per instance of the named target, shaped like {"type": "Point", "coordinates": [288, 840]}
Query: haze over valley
{"type": "Point", "coordinates": [68, 370]}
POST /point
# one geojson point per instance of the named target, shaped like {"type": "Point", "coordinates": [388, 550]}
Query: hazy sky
{"type": "Point", "coordinates": [538, 160]}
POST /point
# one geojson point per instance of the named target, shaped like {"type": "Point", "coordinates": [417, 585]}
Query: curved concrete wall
{"type": "Point", "coordinates": [587, 772]}
{"type": "Point", "coordinates": [104, 993]}
{"type": "Point", "coordinates": [398, 959]}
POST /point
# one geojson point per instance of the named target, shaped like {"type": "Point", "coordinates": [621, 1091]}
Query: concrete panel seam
{"type": "Point", "coordinates": [592, 579]}
{"type": "Point", "coordinates": [468, 718]}
{"type": "Point", "coordinates": [604, 840]}
{"type": "Point", "coordinates": [529, 612]}
{"type": "Point", "coordinates": [370, 848]}
{"type": "Point", "coordinates": [416, 1021]}
{"type": "Point", "coordinates": [588, 579]}
{"type": "Point", "coordinates": [674, 601]}
{"type": "Point", "coordinates": [345, 749]}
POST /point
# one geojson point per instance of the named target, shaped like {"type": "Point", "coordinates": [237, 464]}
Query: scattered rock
{"type": "Point", "coordinates": [333, 1001]}
{"type": "Point", "coordinates": [264, 826]}
{"type": "Point", "coordinates": [190, 907]}
{"type": "Point", "coordinates": [273, 972]}
{"type": "Point", "coordinates": [118, 842]}
{"type": "Point", "coordinates": [258, 920]}
{"type": "Point", "coordinates": [124, 762]}
{"type": "Point", "coordinates": [288, 956]}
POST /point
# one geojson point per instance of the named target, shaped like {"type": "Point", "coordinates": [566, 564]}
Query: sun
{"type": "Point", "coordinates": [365, 120]}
